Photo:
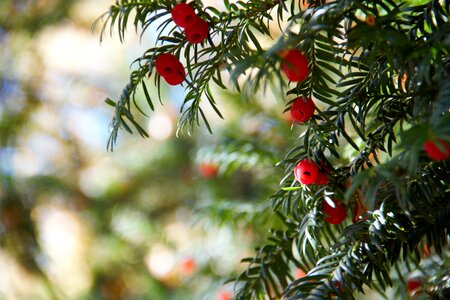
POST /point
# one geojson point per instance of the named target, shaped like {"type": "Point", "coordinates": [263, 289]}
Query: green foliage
{"type": "Point", "coordinates": [32, 16]}
{"type": "Point", "coordinates": [382, 87]}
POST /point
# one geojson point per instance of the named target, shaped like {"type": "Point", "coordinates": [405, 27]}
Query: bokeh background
{"type": "Point", "coordinates": [160, 218]}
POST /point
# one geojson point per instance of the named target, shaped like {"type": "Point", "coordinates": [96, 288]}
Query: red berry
{"type": "Point", "coordinates": [224, 295]}
{"type": "Point", "coordinates": [437, 150]}
{"type": "Point", "coordinates": [294, 65]}
{"type": "Point", "coordinates": [188, 266]}
{"type": "Point", "coordinates": [170, 68]}
{"type": "Point", "coordinates": [370, 20]}
{"type": "Point", "coordinates": [302, 109]}
{"type": "Point", "coordinates": [334, 215]}
{"type": "Point", "coordinates": [198, 32]}
{"type": "Point", "coordinates": [306, 172]}
{"type": "Point", "coordinates": [183, 15]}
{"type": "Point", "coordinates": [287, 116]}
{"type": "Point", "coordinates": [208, 170]}
{"type": "Point", "coordinates": [321, 179]}
{"type": "Point", "coordinates": [299, 273]}
{"type": "Point", "coordinates": [413, 285]}
{"type": "Point", "coordinates": [174, 80]}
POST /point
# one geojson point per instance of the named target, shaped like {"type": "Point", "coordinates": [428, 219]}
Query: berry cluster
{"type": "Point", "coordinates": [295, 66]}
{"type": "Point", "coordinates": [195, 29]}
{"type": "Point", "coordinates": [307, 172]}
{"type": "Point", "coordinates": [170, 68]}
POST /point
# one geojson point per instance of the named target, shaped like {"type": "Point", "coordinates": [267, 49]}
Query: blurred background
{"type": "Point", "coordinates": [160, 218]}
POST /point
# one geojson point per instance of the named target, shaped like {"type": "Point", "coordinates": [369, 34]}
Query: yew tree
{"type": "Point", "coordinates": [364, 202]}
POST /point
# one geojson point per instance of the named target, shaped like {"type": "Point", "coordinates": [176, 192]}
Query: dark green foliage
{"type": "Point", "coordinates": [382, 87]}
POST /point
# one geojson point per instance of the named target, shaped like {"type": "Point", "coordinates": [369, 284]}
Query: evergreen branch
{"type": "Point", "coordinates": [237, 154]}
{"type": "Point", "coordinates": [266, 274]}
{"type": "Point", "coordinates": [232, 212]}
{"type": "Point", "coordinates": [123, 109]}
{"type": "Point", "coordinates": [202, 72]}
{"type": "Point", "coordinates": [304, 235]}
{"type": "Point", "coordinates": [374, 77]}
{"type": "Point", "coordinates": [363, 252]}
{"type": "Point", "coordinates": [119, 14]}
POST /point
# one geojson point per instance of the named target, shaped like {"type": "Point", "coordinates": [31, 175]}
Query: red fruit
{"type": "Point", "coordinates": [334, 215]}
{"type": "Point", "coordinates": [306, 172]}
{"type": "Point", "coordinates": [302, 109]}
{"type": "Point", "coordinates": [294, 65]}
{"type": "Point", "coordinates": [321, 179]}
{"type": "Point", "coordinates": [224, 295]}
{"type": "Point", "coordinates": [183, 15]}
{"type": "Point", "coordinates": [287, 116]}
{"type": "Point", "coordinates": [370, 20]}
{"type": "Point", "coordinates": [188, 266]}
{"type": "Point", "coordinates": [437, 150]}
{"type": "Point", "coordinates": [198, 32]}
{"type": "Point", "coordinates": [414, 285]}
{"type": "Point", "coordinates": [208, 170]}
{"type": "Point", "coordinates": [299, 274]}
{"type": "Point", "coordinates": [166, 63]}
{"type": "Point", "coordinates": [170, 68]}
{"type": "Point", "coordinates": [177, 79]}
